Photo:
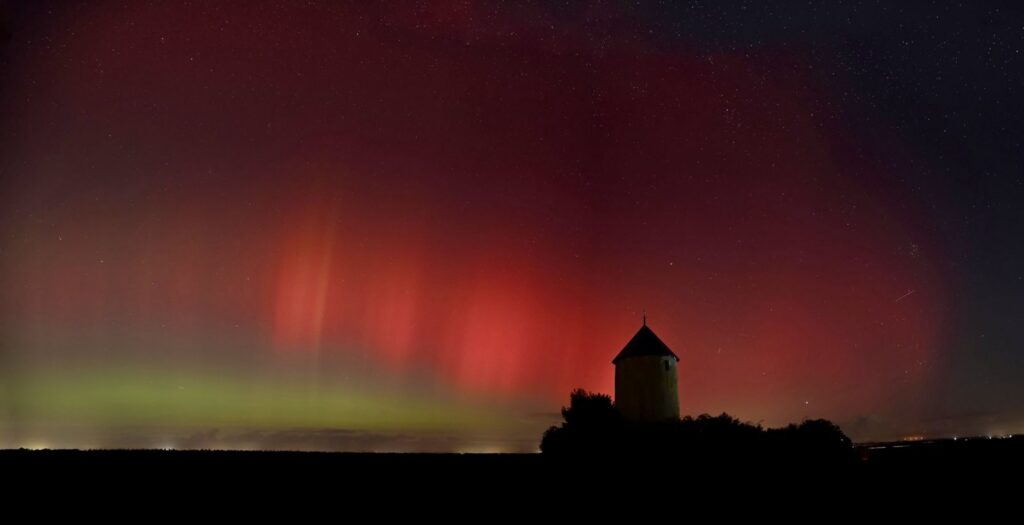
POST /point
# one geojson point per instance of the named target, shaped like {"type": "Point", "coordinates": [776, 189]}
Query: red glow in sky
{"type": "Point", "coordinates": [489, 207]}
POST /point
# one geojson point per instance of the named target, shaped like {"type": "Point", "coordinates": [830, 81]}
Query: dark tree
{"type": "Point", "coordinates": [588, 409]}
{"type": "Point", "coordinates": [591, 423]}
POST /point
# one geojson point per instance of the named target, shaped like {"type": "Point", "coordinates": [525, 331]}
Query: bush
{"type": "Point", "coordinates": [592, 427]}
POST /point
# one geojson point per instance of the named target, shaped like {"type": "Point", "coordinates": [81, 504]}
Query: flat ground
{"type": "Point", "coordinates": [439, 475]}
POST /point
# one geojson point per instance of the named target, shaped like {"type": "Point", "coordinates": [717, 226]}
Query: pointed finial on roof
{"type": "Point", "coordinates": [645, 317]}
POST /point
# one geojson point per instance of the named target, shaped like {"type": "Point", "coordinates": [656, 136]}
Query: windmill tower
{"type": "Point", "coordinates": [646, 384]}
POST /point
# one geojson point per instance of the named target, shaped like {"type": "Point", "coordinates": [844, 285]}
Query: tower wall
{"type": "Point", "coordinates": [647, 388]}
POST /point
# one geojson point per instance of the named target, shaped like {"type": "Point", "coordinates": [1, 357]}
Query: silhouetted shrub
{"type": "Point", "coordinates": [592, 427]}
{"type": "Point", "coordinates": [589, 409]}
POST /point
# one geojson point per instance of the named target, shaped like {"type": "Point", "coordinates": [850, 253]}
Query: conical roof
{"type": "Point", "coordinates": [644, 343]}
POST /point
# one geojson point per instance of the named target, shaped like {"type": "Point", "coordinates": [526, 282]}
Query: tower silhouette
{"type": "Point", "coordinates": [646, 383]}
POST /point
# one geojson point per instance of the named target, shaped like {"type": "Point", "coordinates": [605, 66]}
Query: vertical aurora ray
{"type": "Point", "coordinates": [304, 277]}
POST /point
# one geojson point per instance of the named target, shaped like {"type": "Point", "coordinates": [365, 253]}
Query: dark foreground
{"type": "Point", "coordinates": [211, 465]}
{"type": "Point", "coordinates": [145, 486]}
{"type": "Point", "coordinates": [164, 483]}
{"type": "Point", "coordinates": [882, 474]}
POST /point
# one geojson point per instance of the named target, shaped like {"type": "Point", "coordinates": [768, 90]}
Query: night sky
{"type": "Point", "coordinates": [323, 225]}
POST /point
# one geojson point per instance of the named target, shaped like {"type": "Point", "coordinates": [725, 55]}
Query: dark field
{"type": "Point", "coordinates": [184, 482]}
{"type": "Point", "coordinates": [211, 465]}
